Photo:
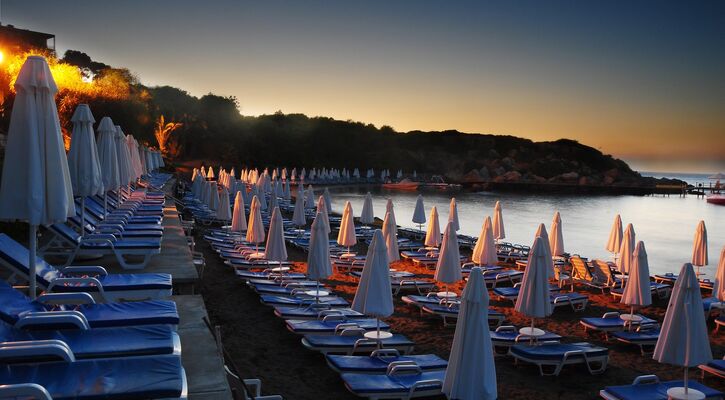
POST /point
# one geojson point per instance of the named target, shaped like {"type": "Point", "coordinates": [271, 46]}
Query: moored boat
{"type": "Point", "coordinates": [718, 199]}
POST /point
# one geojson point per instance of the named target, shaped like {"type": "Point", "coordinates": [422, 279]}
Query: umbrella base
{"type": "Point", "coordinates": [317, 293]}
{"type": "Point", "coordinates": [533, 332]}
{"type": "Point", "coordinates": [678, 393]}
{"type": "Point", "coordinates": [375, 335]}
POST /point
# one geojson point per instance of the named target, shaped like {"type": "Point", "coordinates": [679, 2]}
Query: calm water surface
{"type": "Point", "coordinates": [666, 224]}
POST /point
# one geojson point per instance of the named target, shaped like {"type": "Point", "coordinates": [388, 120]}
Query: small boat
{"type": "Point", "coordinates": [718, 199]}
{"type": "Point", "coordinates": [437, 183]}
{"type": "Point", "coordinates": [405, 185]}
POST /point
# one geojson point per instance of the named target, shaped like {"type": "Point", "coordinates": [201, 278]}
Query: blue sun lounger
{"type": "Point", "coordinates": [314, 312]}
{"type": "Point", "coordinates": [332, 324]}
{"type": "Point", "coordinates": [379, 361]}
{"type": "Point", "coordinates": [94, 280]}
{"type": "Point", "coordinates": [268, 275]}
{"type": "Point", "coordinates": [15, 307]}
{"type": "Point", "coordinates": [715, 367]}
{"type": "Point", "coordinates": [651, 388]}
{"type": "Point", "coordinates": [611, 322]}
{"type": "Point", "coordinates": [285, 288]}
{"type": "Point", "coordinates": [661, 290]}
{"type": "Point", "coordinates": [125, 216]}
{"type": "Point", "coordinates": [96, 343]}
{"type": "Point", "coordinates": [644, 336]}
{"type": "Point", "coordinates": [550, 358]}
{"type": "Point", "coordinates": [351, 341]}
{"type": "Point", "coordinates": [157, 377]}
{"type": "Point", "coordinates": [117, 230]}
{"type": "Point", "coordinates": [400, 382]}
{"type": "Point", "coordinates": [276, 300]}
{"type": "Point", "coordinates": [511, 293]}
{"type": "Point", "coordinates": [73, 245]}
{"type": "Point", "coordinates": [495, 318]}
{"type": "Point", "coordinates": [506, 336]}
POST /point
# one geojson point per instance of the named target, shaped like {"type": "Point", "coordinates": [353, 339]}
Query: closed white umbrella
{"type": "Point", "coordinates": [83, 165]}
{"type": "Point", "coordinates": [390, 210]}
{"type": "Point", "coordinates": [287, 194]}
{"type": "Point", "coordinates": [255, 228]}
{"type": "Point", "coordinates": [309, 197]}
{"type": "Point", "coordinates": [718, 289]}
{"type": "Point", "coordinates": [298, 216]}
{"type": "Point", "coordinates": [533, 300]}
{"type": "Point", "coordinates": [262, 198]}
{"type": "Point", "coordinates": [637, 291]}
{"type": "Point", "coordinates": [556, 236]}
{"type": "Point", "coordinates": [541, 232]}
{"type": "Point", "coordinates": [699, 247]}
{"type": "Point", "coordinates": [213, 196]}
{"type": "Point", "coordinates": [125, 169]}
{"type": "Point", "coordinates": [498, 230]}
{"type": "Point", "coordinates": [374, 295]}
{"type": "Point", "coordinates": [275, 249]}
{"type": "Point", "coordinates": [626, 249]}
{"type": "Point", "coordinates": [390, 234]}
{"type": "Point", "coordinates": [471, 371]}
{"type": "Point", "coordinates": [108, 158]}
{"type": "Point", "coordinates": [433, 234]}
{"type": "Point", "coordinates": [615, 237]}
{"type": "Point", "coordinates": [346, 236]}
{"type": "Point", "coordinates": [453, 214]}
{"type": "Point", "coordinates": [367, 216]}
{"type": "Point", "coordinates": [239, 220]}
{"type": "Point", "coordinates": [448, 267]}
{"type": "Point", "coordinates": [318, 257]}
{"type": "Point", "coordinates": [224, 212]}
{"type": "Point", "coordinates": [322, 208]}
{"type": "Point", "coordinates": [36, 184]}
{"type": "Point", "coordinates": [419, 212]}
{"type": "Point", "coordinates": [136, 160]}
{"type": "Point", "coordinates": [328, 199]}
{"type": "Point", "coordinates": [272, 201]}
{"type": "Point", "coordinates": [205, 192]}
{"type": "Point", "coordinates": [683, 339]}
{"type": "Point", "coordinates": [209, 173]}
{"type": "Point", "coordinates": [484, 252]}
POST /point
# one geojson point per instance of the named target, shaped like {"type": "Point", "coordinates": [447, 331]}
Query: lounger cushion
{"type": "Point", "coordinates": [646, 336]}
{"type": "Point", "coordinates": [126, 282]}
{"type": "Point", "coordinates": [150, 312]}
{"type": "Point", "coordinates": [717, 364]}
{"type": "Point", "coordinates": [656, 391]}
{"type": "Point", "coordinates": [265, 275]}
{"type": "Point", "coordinates": [101, 342]}
{"type": "Point", "coordinates": [299, 312]}
{"type": "Point", "coordinates": [367, 364]}
{"type": "Point", "coordinates": [123, 244]}
{"type": "Point", "coordinates": [611, 323]}
{"type": "Point", "coordinates": [293, 301]}
{"type": "Point", "coordinates": [555, 352]}
{"type": "Point", "coordinates": [323, 341]}
{"type": "Point", "coordinates": [118, 378]}
{"type": "Point", "coordinates": [508, 337]}
{"type": "Point", "coordinates": [306, 326]}
{"type": "Point", "coordinates": [364, 383]}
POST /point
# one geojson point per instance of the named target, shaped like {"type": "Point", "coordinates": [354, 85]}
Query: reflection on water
{"type": "Point", "coordinates": [665, 224]}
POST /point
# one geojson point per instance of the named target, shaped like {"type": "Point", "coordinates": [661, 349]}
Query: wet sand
{"type": "Point", "coordinates": [261, 346]}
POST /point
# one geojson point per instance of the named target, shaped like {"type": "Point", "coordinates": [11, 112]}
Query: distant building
{"type": "Point", "coordinates": [16, 39]}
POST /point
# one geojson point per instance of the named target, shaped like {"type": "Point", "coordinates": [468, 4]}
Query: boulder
{"type": "Point", "coordinates": [569, 176]}
{"type": "Point", "coordinates": [512, 176]}
{"type": "Point", "coordinates": [471, 176]}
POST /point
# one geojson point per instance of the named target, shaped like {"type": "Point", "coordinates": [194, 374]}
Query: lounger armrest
{"type": "Point", "coordinates": [35, 349]}
{"type": "Point", "coordinates": [561, 299]}
{"type": "Point", "coordinates": [339, 328]}
{"type": "Point", "coordinates": [66, 298]}
{"type": "Point", "coordinates": [385, 353]}
{"type": "Point", "coordinates": [611, 314]}
{"type": "Point", "coordinates": [322, 314]}
{"type": "Point", "coordinates": [95, 270]}
{"type": "Point", "coordinates": [506, 328]}
{"type": "Point", "coordinates": [334, 317]}
{"type": "Point", "coordinates": [24, 390]}
{"type": "Point", "coordinates": [426, 382]}
{"type": "Point", "coordinates": [644, 379]}
{"type": "Point", "coordinates": [91, 281]}
{"type": "Point", "coordinates": [99, 240]}
{"type": "Point", "coordinates": [403, 368]}
{"type": "Point", "coordinates": [42, 320]}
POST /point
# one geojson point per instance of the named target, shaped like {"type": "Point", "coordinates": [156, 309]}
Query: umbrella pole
{"type": "Point", "coordinates": [317, 295]}
{"type": "Point", "coordinates": [377, 322]}
{"type": "Point", "coordinates": [83, 216]}
{"type": "Point", "coordinates": [686, 382]}
{"type": "Point", "coordinates": [32, 245]}
{"type": "Point", "coordinates": [105, 203]}
{"type": "Point", "coordinates": [531, 338]}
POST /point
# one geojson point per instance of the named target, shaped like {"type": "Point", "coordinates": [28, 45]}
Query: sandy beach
{"type": "Point", "coordinates": [261, 346]}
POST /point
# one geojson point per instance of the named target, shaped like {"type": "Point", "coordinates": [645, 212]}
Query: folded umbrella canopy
{"type": "Point", "coordinates": [484, 252]}
{"type": "Point", "coordinates": [309, 197]}
{"type": "Point", "coordinates": [533, 299]}
{"type": "Point", "coordinates": [346, 236]}
{"type": "Point", "coordinates": [36, 184]}
{"type": "Point", "coordinates": [433, 234]}
{"type": "Point", "coordinates": [389, 209]}
{"type": "Point", "coordinates": [541, 232]}
{"type": "Point", "coordinates": [683, 339]}
{"type": "Point", "coordinates": [255, 228]}
{"type": "Point", "coordinates": [224, 213]}
{"type": "Point", "coordinates": [125, 169]}
{"type": "Point", "coordinates": [556, 236]}
{"type": "Point", "coordinates": [626, 249]}
{"type": "Point", "coordinates": [614, 243]}
{"type": "Point", "coordinates": [699, 247]}
{"type": "Point", "coordinates": [298, 216]}
{"type": "Point", "coordinates": [448, 267]}
{"type": "Point", "coordinates": [471, 371]}
{"type": "Point", "coordinates": [367, 217]}
{"type": "Point", "coordinates": [318, 257]}
{"type": "Point", "coordinates": [322, 210]}
{"type": "Point", "coordinates": [83, 165]}
{"type": "Point", "coordinates": [390, 234]}
{"type": "Point", "coordinates": [275, 249]}
{"type": "Point", "coordinates": [498, 229]}
{"type": "Point", "coordinates": [718, 289]}
{"type": "Point", "coordinates": [213, 203]}
{"type": "Point", "coordinates": [374, 295]}
{"type": "Point", "coordinates": [328, 199]}
{"type": "Point", "coordinates": [108, 158]}
{"type": "Point", "coordinates": [419, 212]}
{"type": "Point", "coordinates": [453, 214]}
{"type": "Point", "coordinates": [136, 159]}
{"type": "Point", "coordinates": [637, 291]}
{"type": "Point", "coordinates": [239, 220]}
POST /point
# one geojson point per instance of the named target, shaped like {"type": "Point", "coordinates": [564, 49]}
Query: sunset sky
{"type": "Point", "coordinates": [642, 80]}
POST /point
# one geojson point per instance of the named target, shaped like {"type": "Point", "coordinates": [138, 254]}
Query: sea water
{"type": "Point", "coordinates": [665, 224]}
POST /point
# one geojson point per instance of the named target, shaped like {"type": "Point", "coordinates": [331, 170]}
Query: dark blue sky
{"type": "Point", "coordinates": [639, 79]}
